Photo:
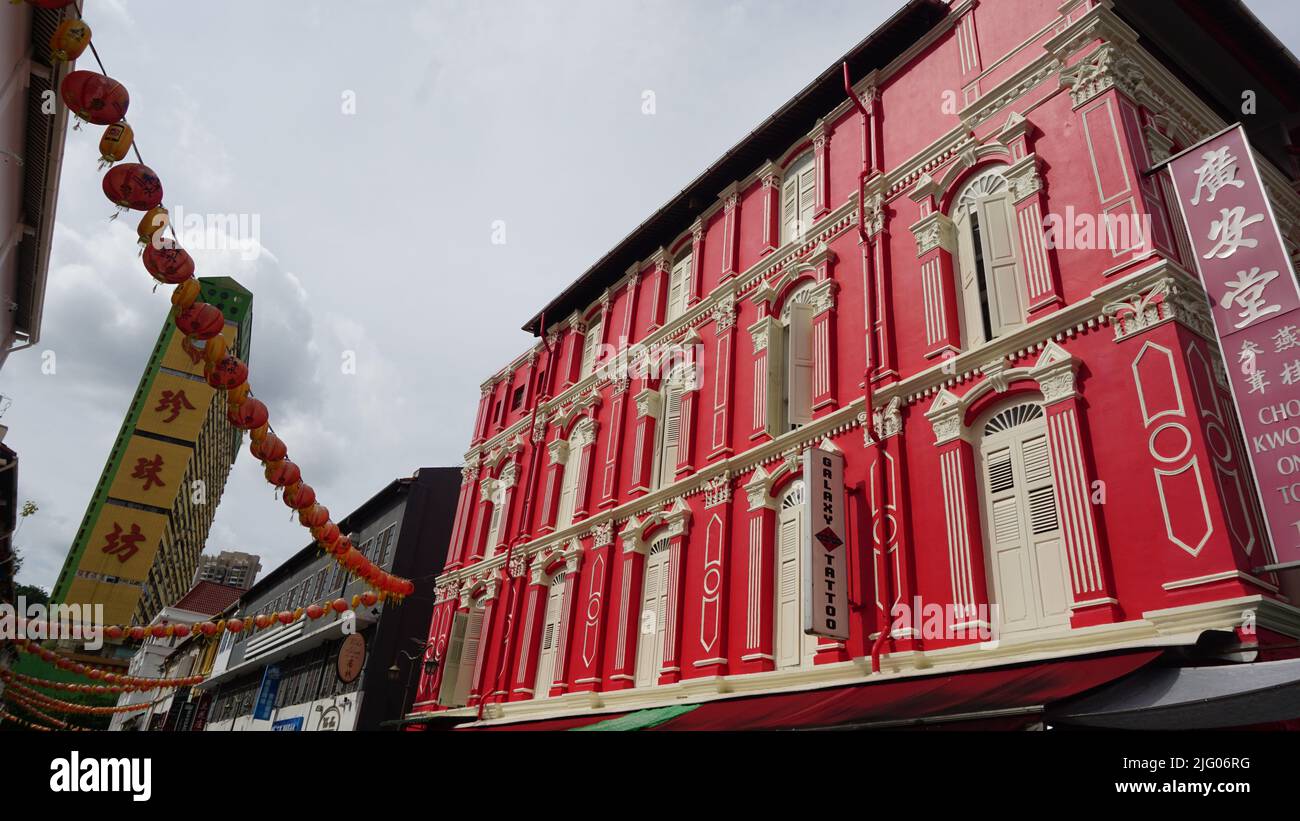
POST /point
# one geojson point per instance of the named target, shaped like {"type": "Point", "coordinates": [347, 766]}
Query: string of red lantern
{"type": "Point", "coordinates": [97, 99]}
{"type": "Point", "coordinates": [36, 711]}
{"type": "Point", "coordinates": [241, 624]}
{"type": "Point", "coordinates": [73, 687]}
{"type": "Point", "coordinates": [64, 662]}
{"type": "Point", "coordinates": [22, 722]}
{"type": "Point", "coordinates": [52, 703]}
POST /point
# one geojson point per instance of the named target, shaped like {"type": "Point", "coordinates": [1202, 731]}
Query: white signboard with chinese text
{"type": "Point", "coordinates": [1255, 303]}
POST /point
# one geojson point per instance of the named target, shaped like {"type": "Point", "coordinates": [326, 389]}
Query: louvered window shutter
{"type": "Point", "coordinates": [789, 207]}
{"type": "Point", "coordinates": [468, 655]}
{"type": "Point", "coordinates": [800, 387]}
{"type": "Point", "coordinates": [1038, 479]}
{"type": "Point", "coordinates": [647, 662]}
{"type": "Point", "coordinates": [550, 638]}
{"type": "Point", "coordinates": [672, 435]}
{"type": "Point", "coordinates": [494, 528]}
{"type": "Point", "coordinates": [451, 670]}
{"type": "Point", "coordinates": [677, 288]}
{"type": "Point", "coordinates": [807, 196]}
{"type": "Point", "coordinates": [1001, 262]}
{"type": "Point", "coordinates": [787, 593]}
{"type": "Point", "coordinates": [590, 346]}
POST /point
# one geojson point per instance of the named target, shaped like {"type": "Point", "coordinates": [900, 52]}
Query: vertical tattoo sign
{"type": "Point", "coordinates": [825, 552]}
{"type": "Point", "coordinates": [1256, 308]}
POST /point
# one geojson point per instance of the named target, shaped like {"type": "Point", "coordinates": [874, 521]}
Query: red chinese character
{"type": "Point", "coordinates": [148, 469]}
{"type": "Point", "coordinates": [174, 401]}
{"type": "Point", "coordinates": [123, 546]}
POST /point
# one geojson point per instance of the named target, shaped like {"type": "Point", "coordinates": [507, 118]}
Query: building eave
{"type": "Point", "coordinates": [43, 163]}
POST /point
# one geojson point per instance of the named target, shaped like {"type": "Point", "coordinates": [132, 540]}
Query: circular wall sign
{"type": "Point", "coordinates": [352, 657]}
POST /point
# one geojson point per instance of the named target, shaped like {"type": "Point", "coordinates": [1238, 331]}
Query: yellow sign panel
{"type": "Point", "coordinates": [175, 407]}
{"type": "Point", "coordinates": [178, 360]}
{"type": "Point", "coordinates": [150, 472]}
{"type": "Point", "coordinates": [123, 543]}
{"type": "Point", "coordinates": [119, 600]}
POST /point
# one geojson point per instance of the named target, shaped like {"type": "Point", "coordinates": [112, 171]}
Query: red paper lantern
{"type": "Point", "coordinates": [314, 516]}
{"type": "Point", "coordinates": [369, 598]}
{"type": "Point", "coordinates": [339, 605]}
{"type": "Point", "coordinates": [407, 587]}
{"type": "Point", "coordinates": [95, 98]}
{"type": "Point", "coordinates": [181, 630]}
{"type": "Point", "coordinates": [170, 264]}
{"type": "Point", "coordinates": [132, 185]}
{"type": "Point", "coordinates": [235, 625]}
{"type": "Point", "coordinates": [137, 633]}
{"type": "Point", "coordinates": [283, 473]}
{"type": "Point", "coordinates": [230, 372]}
{"type": "Point", "coordinates": [262, 621]}
{"type": "Point", "coordinates": [327, 534]}
{"type": "Point", "coordinates": [270, 449]}
{"type": "Point", "coordinates": [201, 321]}
{"type": "Point", "coordinates": [300, 496]}
{"type": "Point", "coordinates": [285, 617]}
{"type": "Point", "coordinates": [249, 414]}
{"type": "Point", "coordinates": [352, 559]}
{"type": "Point", "coordinates": [114, 632]}
{"type": "Point", "coordinates": [342, 546]}
{"type": "Point", "coordinates": [315, 611]}
{"type": "Point", "coordinates": [158, 631]}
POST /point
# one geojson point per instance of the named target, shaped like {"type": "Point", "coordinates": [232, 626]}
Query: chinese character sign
{"type": "Point", "coordinates": [175, 407]}
{"type": "Point", "coordinates": [123, 543]}
{"type": "Point", "coordinates": [1256, 307]}
{"type": "Point", "coordinates": [151, 472]}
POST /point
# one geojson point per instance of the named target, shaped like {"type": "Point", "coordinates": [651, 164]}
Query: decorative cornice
{"type": "Point", "coordinates": [717, 491]}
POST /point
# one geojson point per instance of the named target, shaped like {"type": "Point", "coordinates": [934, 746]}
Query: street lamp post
{"type": "Point", "coordinates": [395, 672]}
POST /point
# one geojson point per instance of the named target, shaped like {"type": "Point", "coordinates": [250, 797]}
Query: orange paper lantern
{"type": "Point", "coordinates": [115, 144]}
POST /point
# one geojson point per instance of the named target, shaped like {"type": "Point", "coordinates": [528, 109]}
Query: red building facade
{"type": "Point", "coordinates": [975, 247]}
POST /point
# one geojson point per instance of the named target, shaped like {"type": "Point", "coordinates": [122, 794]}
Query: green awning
{"type": "Point", "coordinates": [640, 720]}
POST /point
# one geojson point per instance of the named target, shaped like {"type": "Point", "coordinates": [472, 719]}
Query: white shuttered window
{"type": "Point", "coordinates": [652, 626]}
{"type": "Point", "coordinates": [550, 636]}
{"type": "Point", "coordinates": [798, 198]}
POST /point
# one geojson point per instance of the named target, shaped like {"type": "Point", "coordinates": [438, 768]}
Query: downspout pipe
{"type": "Point", "coordinates": [876, 479]}
{"type": "Point", "coordinates": [535, 392]}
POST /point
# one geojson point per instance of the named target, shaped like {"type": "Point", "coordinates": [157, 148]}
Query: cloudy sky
{"type": "Point", "coordinates": [375, 146]}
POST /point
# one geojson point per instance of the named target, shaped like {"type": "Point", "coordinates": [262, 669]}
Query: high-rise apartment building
{"type": "Point", "coordinates": [139, 544]}
{"type": "Point", "coordinates": [232, 568]}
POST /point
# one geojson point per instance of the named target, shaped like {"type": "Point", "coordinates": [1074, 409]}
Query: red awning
{"type": "Point", "coordinates": [550, 725]}
{"type": "Point", "coordinates": [970, 693]}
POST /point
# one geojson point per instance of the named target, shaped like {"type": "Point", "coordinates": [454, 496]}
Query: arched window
{"type": "Point", "coordinates": [798, 198]}
{"type": "Point", "coordinates": [790, 645]}
{"type": "Point", "coordinates": [992, 289]}
{"type": "Point", "coordinates": [1026, 552]}
{"type": "Point", "coordinates": [678, 286]}
{"type": "Point", "coordinates": [653, 626]}
{"type": "Point", "coordinates": [462, 656]}
{"type": "Point", "coordinates": [797, 343]}
{"type": "Point", "coordinates": [550, 635]}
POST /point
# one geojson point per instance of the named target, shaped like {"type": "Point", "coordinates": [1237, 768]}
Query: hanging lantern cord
{"type": "Point", "coordinates": [135, 146]}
